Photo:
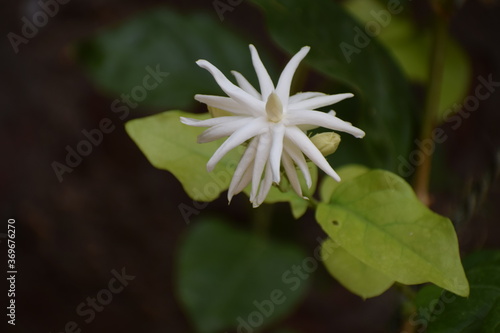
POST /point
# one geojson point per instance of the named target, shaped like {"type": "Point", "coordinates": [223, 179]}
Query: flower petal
{"type": "Point", "coordinates": [291, 172]}
{"type": "Point", "coordinates": [224, 103]}
{"type": "Point", "coordinates": [264, 188]}
{"type": "Point", "coordinates": [317, 118]}
{"type": "Point", "coordinates": [209, 122]}
{"type": "Point", "coordinates": [232, 90]}
{"type": "Point", "coordinates": [298, 97]}
{"type": "Point", "coordinates": [301, 140]}
{"type": "Point", "coordinates": [298, 158]}
{"type": "Point", "coordinates": [222, 130]}
{"type": "Point", "coordinates": [276, 151]}
{"type": "Point", "coordinates": [251, 129]}
{"type": "Point", "coordinates": [245, 85]}
{"type": "Point", "coordinates": [318, 102]}
{"type": "Point", "coordinates": [285, 81]}
{"type": "Point", "coordinates": [261, 157]}
{"type": "Point", "coordinates": [243, 173]}
{"type": "Point", "coordinates": [265, 82]}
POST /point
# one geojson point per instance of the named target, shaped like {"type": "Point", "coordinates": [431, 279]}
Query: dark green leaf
{"type": "Point", "coordinates": [228, 278]}
{"type": "Point", "coordinates": [442, 312]}
{"type": "Point", "coordinates": [117, 58]}
{"type": "Point", "coordinates": [369, 70]}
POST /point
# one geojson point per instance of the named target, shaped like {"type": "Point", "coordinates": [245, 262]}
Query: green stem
{"type": "Point", "coordinates": [421, 180]}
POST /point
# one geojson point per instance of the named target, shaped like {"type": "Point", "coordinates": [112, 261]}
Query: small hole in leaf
{"type": "Point", "coordinates": [336, 223]}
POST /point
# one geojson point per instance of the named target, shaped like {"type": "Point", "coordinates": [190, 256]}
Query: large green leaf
{"type": "Point", "coordinates": [369, 71]}
{"type": "Point", "coordinates": [117, 58]}
{"type": "Point", "coordinates": [352, 273]}
{"type": "Point", "coordinates": [411, 46]}
{"type": "Point", "coordinates": [441, 312]}
{"type": "Point", "coordinates": [228, 278]}
{"type": "Point", "coordinates": [170, 145]}
{"type": "Point", "coordinates": [377, 218]}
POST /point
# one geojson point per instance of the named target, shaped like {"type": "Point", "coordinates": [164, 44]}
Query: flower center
{"type": "Point", "coordinates": [274, 108]}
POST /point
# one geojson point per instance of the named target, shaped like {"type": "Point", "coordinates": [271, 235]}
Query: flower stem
{"type": "Point", "coordinates": [421, 180]}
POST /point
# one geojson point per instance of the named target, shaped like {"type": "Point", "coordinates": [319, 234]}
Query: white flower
{"type": "Point", "coordinates": [273, 122]}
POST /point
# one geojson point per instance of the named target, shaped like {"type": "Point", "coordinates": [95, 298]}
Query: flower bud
{"type": "Point", "coordinates": [326, 142]}
{"type": "Point", "coordinates": [214, 112]}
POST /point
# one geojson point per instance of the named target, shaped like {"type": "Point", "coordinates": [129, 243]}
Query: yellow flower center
{"type": "Point", "coordinates": [274, 108]}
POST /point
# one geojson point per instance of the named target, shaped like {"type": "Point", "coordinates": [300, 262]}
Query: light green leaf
{"type": "Point", "coordinates": [382, 94]}
{"type": "Point", "coordinates": [228, 278]}
{"type": "Point", "coordinates": [411, 46]}
{"type": "Point", "coordinates": [356, 276]}
{"type": "Point", "coordinates": [117, 58]}
{"type": "Point", "coordinates": [377, 218]}
{"type": "Point", "coordinates": [442, 312]}
{"type": "Point", "coordinates": [170, 145]}
{"type": "Point", "coordinates": [347, 172]}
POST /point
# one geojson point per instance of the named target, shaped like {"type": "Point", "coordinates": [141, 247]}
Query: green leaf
{"type": "Point", "coordinates": [411, 46]}
{"type": "Point", "coordinates": [116, 59]}
{"type": "Point", "coordinates": [442, 312]}
{"type": "Point", "coordinates": [371, 73]}
{"type": "Point", "coordinates": [377, 218]}
{"type": "Point", "coordinates": [347, 172]}
{"type": "Point", "coordinates": [170, 145]}
{"type": "Point", "coordinates": [228, 278]}
{"type": "Point", "coordinates": [352, 273]}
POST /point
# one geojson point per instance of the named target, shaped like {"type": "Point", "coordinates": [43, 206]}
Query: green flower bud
{"type": "Point", "coordinates": [214, 112]}
{"type": "Point", "coordinates": [327, 142]}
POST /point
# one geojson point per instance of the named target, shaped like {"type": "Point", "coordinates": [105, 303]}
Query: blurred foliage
{"type": "Point", "coordinates": [442, 312]}
{"type": "Point", "coordinates": [116, 58]}
{"type": "Point", "coordinates": [387, 109]}
{"type": "Point", "coordinates": [411, 46]}
{"type": "Point", "coordinates": [228, 278]}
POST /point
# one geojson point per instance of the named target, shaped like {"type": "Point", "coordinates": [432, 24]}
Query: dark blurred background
{"type": "Point", "coordinates": [116, 211]}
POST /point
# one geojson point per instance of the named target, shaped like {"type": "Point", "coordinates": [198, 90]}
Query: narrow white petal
{"type": "Point", "coordinates": [245, 85]}
{"type": "Point", "coordinates": [265, 82]}
{"type": "Point", "coordinates": [253, 128]}
{"type": "Point", "coordinates": [210, 122]}
{"type": "Point", "coordinates": [285, 81]}
{"type": "Point", "coordinates": [232, 90]}
{"type": "Point", "coordinates": [309, 149]}
{"type": "Point", "coordinates": [317, 118]}
{"type": "Point", "coordinates": [222, 130]}
{"type": "Point", "coordinates": [243, 173]}
{"type": "Point", "coordinates": [264, 188]}
{"type": "Point", "coordinates": [261, 158]}
{"type": "Point", "coordinates": [298, 158]}
{"type": "Point", "coordinates": [276, 151]}
{"type": "Point", "coordinates": [291, 173]}
{"type": "Point", "coordinates": [224, 103]}
{"type": "Point", "coordinates": [318, 102]}
{"type": "Point", "coordinates": [245, 180]}
{"type": "Point", "coordinates": [298, 97]}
